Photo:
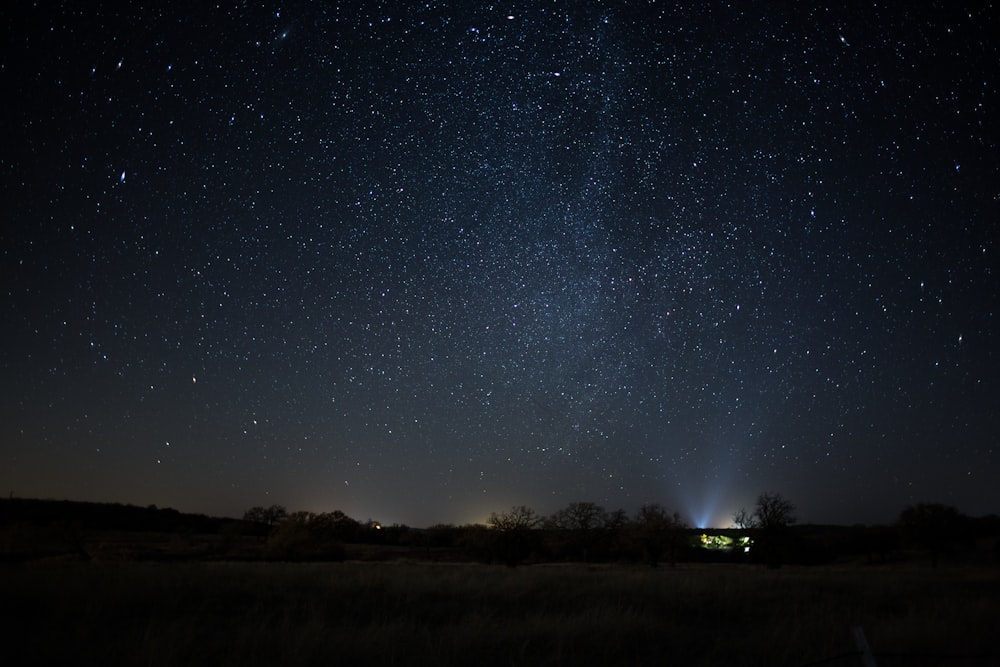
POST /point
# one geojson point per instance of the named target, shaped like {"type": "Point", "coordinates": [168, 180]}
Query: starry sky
{"type": "Point", "coordinates": [420, 261]}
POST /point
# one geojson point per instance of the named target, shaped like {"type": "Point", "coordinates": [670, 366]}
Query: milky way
{"type": "Point", "coordinates": [422, 261]}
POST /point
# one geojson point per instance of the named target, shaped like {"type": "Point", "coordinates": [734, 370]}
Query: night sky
{"type": "Point", "coordinates": [421, 261]}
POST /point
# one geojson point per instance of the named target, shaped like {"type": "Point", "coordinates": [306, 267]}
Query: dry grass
{"type": "Point", "coordinates": [430, 614]}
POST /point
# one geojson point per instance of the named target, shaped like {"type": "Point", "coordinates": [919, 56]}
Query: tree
{"type": "Point", "coordinates": [768, 524]}
{"type": "Point", "coordinates": [579, 516]}
{"type": "Point", "coordinates": [581, 531]}
{"type": "Point", "coordinates": [658, 532]}
{"type": "Point", "coordinates": [512, 530]}
{"type": "Point", "coordinates": [269, 516]}
{"type": "Point", "coordinates": [743, 519]}
{"type": "Point", "coordinates": [518, 518]}
{"type": "Point", "coordinates": [774, 511]}
{"type": "Point", "coordinates": [262, 521]}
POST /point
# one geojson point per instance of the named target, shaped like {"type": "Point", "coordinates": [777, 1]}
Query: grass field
{"type": "Point", "coordinates": [435, 614]}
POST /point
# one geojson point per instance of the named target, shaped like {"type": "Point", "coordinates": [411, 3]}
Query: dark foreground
{"type": "Point", "coordinates": [453, 614]}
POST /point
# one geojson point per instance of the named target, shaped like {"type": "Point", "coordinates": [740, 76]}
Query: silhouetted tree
{"type": "Point", "coordinates": [343, 527]}
{"type": "Point", "coordinates": [768, 525]}
{"type": "Point", "coordinates": [743, 520]}
{"type": "Point", "coordinates": [261, 521]}
{"type": "Point", "coordinates": [658, 532]}
{"type": "Point", "coordinates": [512, 531]}
{"type": "Point", "coordinates": [580, 531]}
{"type": "Point", "coordinates": [774, 512]}
{"type": "Point", "coordinates": [579, 516]}
{"type": "Point", "coordinates": [519, 517]}
{"type": "Point", "coordinates": [269, 516]}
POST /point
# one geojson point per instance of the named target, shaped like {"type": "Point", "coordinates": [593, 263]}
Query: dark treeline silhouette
{"type": "Point", "coordinates": [580, 532]}
{"type": "Point", "coordinates": [104, 515]}
{"type": "Point", "coordinates": [34, 528]}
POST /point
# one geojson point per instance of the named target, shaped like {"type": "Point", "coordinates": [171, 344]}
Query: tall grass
{"type": "Point", "coordinates": [431, 614]}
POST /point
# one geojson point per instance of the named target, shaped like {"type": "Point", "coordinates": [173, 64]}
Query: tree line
{"type": "Point", "coordinates": [655, 535]}
{"type": "Point", "coordinates": [766, 534]}
{"type": "Point", "coordinates": [582, 531]}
